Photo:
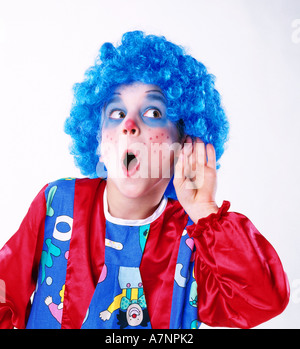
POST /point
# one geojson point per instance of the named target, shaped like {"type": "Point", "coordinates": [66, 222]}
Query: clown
{"type": "Point", "coordinates": [143, 233]}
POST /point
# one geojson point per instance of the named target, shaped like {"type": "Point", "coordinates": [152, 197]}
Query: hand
{"type": "Point", "coordinates": [195, 179]}
{"type": "Point", "coordinates": [48, 300]}
{"type": "Point", "coordinates": [105, 315]}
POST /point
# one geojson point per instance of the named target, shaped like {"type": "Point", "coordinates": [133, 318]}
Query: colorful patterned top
{"type": "Point", "coordinates": [91, 270]}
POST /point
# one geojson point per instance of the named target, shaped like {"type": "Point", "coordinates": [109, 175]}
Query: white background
{"type": "Point", "coordinates": [253, 48]}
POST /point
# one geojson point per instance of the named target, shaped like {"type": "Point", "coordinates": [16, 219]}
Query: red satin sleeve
{"type": "Point", "coordinates": [241, 282]}
{"type": "Point", "coordinates": [19, 261]}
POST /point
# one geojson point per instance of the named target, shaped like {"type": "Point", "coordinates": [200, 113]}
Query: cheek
{"type": "Point", "coordinates": [108, 136]}
{"type": "Point", "coordinates": [161, 135]}
{"type": "Point", "coordinates": [164, 144]}
{"type": "Point", "coordinates": [108, 144]}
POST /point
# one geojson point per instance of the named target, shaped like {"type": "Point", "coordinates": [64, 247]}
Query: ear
{"type": "Point", "coordinates": [101, 170]}
{"type": "Point", "coordinates": [184, 139]}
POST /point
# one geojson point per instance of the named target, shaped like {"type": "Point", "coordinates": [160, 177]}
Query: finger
{"type": "Point", "coordinates": [185, 159]}
{"type": "Point", "coordinates": [183, 171]}
{"type": "Point", "coordinates": [211, 156]}
{"type": "Point", "coordinates": [200, 152]}
{"type": "Point", "coordinates": [200, 162]}
{"type": "Point", "coordinates": [192, 154]}
{"type": "Point", "coordinates": [188, 139]}
{"type": "Point", "coordinates": [179, 168]}
{"type": "Point", "coordinates": [197, 159]}
{"type": "Point", "coordinates": [188, 146]}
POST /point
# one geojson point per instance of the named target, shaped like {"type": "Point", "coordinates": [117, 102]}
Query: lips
{"type": "Point", "coordinates": [130, 163]}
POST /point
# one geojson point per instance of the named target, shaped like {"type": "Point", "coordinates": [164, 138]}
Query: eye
{"type": "Point", "coordinates": [117, 114]}
{"type": "Point", "coordinates": [153, 113]}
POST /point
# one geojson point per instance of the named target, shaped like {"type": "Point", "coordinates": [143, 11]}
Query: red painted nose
{"type": "Point", "coordinates": [130, 127]}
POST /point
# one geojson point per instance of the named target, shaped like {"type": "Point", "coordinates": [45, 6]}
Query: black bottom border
{"type": "Point", "coordinates": [139, 338]}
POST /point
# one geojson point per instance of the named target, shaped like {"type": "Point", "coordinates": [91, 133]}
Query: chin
{"type": "Point", "coordinates": [134, 188]}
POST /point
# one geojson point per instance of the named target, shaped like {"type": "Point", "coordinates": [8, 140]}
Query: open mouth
{"type": "Point", "coordinates": [130, 162]}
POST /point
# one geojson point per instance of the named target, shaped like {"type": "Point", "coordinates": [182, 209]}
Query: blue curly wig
{"type": "Point", "coordinates": [193, 102]}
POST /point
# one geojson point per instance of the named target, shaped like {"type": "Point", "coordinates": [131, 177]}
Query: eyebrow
{"type": "Point", "coordinates": [161, 98]}
{"type": "Point", "coordinates": [156, 91]}
{"type": "Point", "coordinates": [116, 97]}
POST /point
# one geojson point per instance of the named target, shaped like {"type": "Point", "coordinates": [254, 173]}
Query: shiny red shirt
{"type": "Point", "coordinates": [241, 282]}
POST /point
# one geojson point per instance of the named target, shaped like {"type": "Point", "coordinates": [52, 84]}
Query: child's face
{"type": "Point", "coordinates": [138, 141]}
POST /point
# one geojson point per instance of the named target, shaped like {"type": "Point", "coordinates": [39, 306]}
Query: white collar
{"type": "Point", "coordinates": [133, 222]}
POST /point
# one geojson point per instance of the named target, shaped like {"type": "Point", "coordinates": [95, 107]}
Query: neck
{"type": "Point", "coordinates": [124, 207]}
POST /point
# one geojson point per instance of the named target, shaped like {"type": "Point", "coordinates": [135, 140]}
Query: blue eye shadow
{"type": "Point", "coordinates": [152, 100]}
{"type": "Point", "coordinates": [155, 101]}
{"type": "Point", "coordinates": [115, 103]}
